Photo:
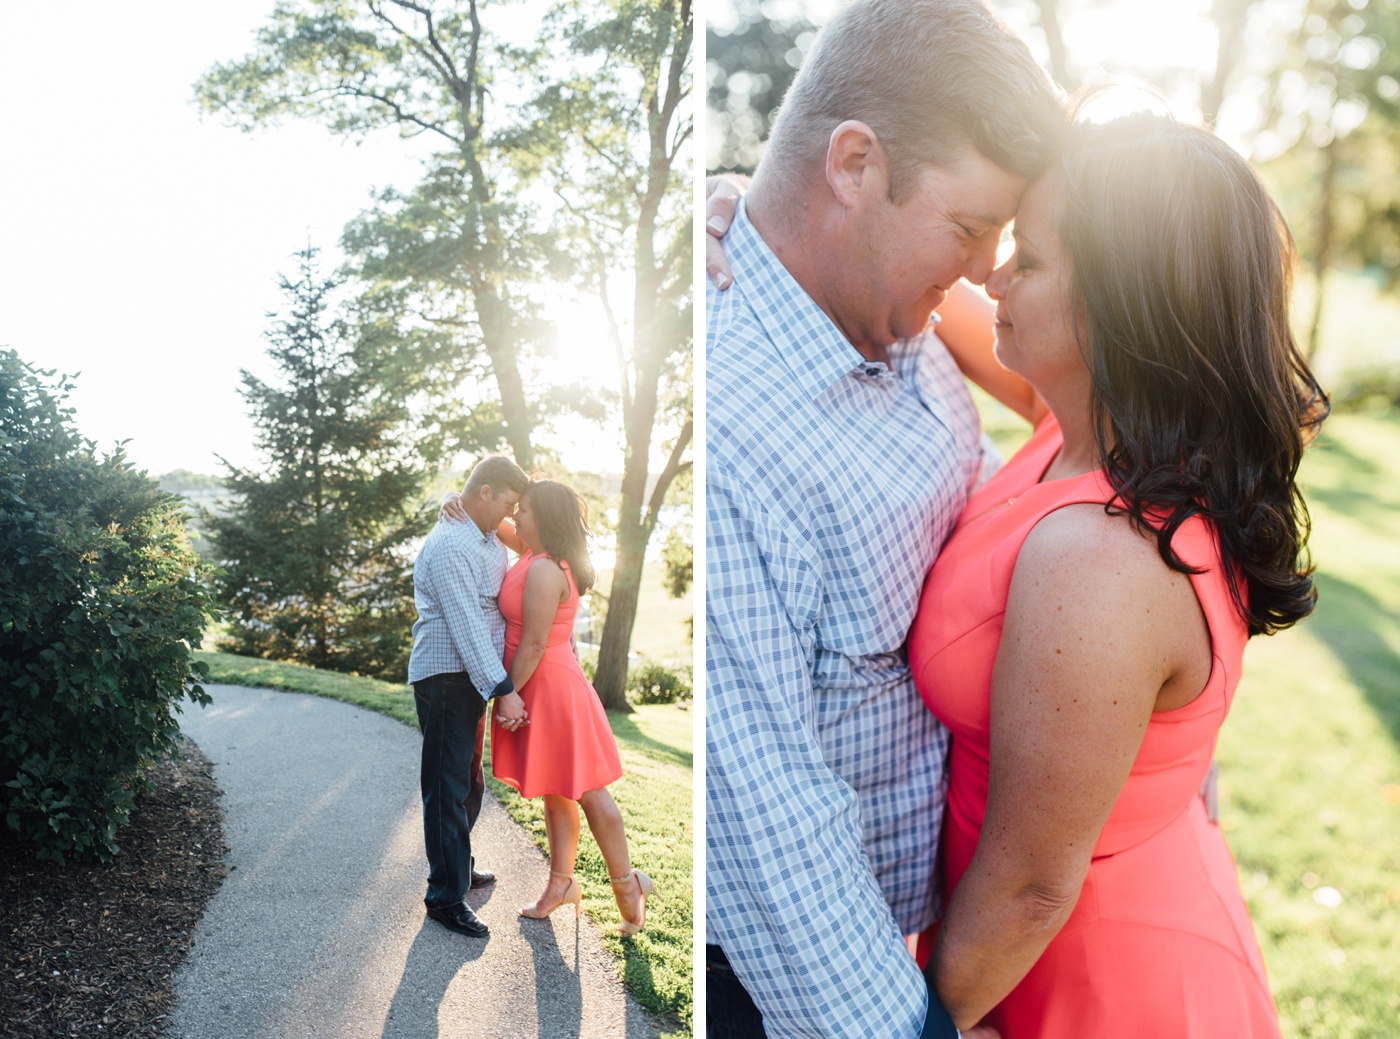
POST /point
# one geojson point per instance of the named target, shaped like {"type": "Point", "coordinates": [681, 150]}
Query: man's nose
{"type": "Point", "coordinates": [983, 260]}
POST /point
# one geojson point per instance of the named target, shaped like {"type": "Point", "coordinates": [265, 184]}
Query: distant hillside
{"type": "Point", "coordinates": [182, 481]}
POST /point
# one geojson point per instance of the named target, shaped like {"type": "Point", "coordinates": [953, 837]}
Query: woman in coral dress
{"type": "Point", "coordinates": [564, 751]}
{"type": "Point", "coordinates": [1082, 631]}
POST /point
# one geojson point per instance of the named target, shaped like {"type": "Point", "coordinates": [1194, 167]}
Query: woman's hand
{"type": "Point", "coordinates": [451, 508]}
{"type": "Point", "coordinates": [510, 712]}
{"type": "Point", "coordinates": [722, 194]}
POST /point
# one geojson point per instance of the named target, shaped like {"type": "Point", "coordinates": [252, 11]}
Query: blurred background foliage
{"type": "Point", "coordinates": [1309, 90]}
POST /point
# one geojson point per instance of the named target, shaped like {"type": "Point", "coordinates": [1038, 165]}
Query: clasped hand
{"type": "Point", "coordinates": [510, 712]}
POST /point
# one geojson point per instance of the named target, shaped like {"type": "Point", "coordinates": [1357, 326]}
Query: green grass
{"type": "Point", "coordinates": [1310, 759]}
{"type": "Point", "coordinates": [654, 795]}
{"type": "Point", "coordinates": [1310, 756]}
{"type": "Point", "coordinates": [660, 632]}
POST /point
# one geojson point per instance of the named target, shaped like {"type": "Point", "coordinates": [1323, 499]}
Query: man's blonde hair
{"type": "Point", "coordinates": [932, 78]}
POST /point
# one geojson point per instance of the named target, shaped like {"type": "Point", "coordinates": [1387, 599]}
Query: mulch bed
{"type": "Point", "coordinates": [91, 949]}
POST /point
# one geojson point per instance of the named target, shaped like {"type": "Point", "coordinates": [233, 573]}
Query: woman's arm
{"type": "Point", "coordinates": [545, 588]}
{"type": "Point", "coordinates": [967, 328]}
{"type": "Point", "coordinates": [506, 535]}
{"type": "Point", "coordinates": [1098, 633]}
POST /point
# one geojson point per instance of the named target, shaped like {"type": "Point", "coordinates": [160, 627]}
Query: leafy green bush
{"type": "Point", "coordinates": [101, 603]}
{"type": "Point", "coordinates": [657, 683]}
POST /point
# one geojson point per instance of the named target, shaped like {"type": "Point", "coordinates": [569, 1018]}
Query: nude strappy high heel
{"type": "Point", "coordinates": [627, 927]}
{"type": "Point", "coordinates": [573, 893]}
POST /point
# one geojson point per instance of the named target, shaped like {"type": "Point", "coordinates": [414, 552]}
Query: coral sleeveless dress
{"type": "Point", "coordinates": [568, 747]}
{"type": "Point", "coordinates": [1159, 945]}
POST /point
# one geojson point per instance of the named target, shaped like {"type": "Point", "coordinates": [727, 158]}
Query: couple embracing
{"type": "Point", "coordinates": [488, 634]}
{"type": "Point", "coordinates": [1072, 624]}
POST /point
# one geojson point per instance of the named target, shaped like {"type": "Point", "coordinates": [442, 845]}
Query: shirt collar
{"type": "Point", "coordinates": [816, 353]}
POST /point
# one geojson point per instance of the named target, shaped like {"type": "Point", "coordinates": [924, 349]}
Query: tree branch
{"type": "Point", "coordinates": [432, 35]}
{"type": "Point", "coordinates": [412, 40]}
{"type": "Point", "coordinates": [398, 110]}
{"type": "Point", "coordinates": [673, 468]}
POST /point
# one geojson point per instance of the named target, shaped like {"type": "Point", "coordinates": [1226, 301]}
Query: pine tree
{"type": "Point", "coordinates": [316, 545]}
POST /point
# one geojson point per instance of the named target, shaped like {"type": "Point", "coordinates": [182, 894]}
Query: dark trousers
{"type": "Point", "coordinates": [450, 712]}
{"type": "Point", "coordinates": [729, 1012]}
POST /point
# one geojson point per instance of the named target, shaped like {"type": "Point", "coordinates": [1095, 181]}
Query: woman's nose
{"type": "Point", "coordinates": [999, 279]}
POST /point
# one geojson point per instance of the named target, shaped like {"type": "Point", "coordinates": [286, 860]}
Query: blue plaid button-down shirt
{"type": "Point", "coordinates": [456, 579]}
{"type": "Point", "coordinates": [830, 484]}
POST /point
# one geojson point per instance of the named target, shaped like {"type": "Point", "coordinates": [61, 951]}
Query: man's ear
{"type": "Point", "coordinates": [855, 163]}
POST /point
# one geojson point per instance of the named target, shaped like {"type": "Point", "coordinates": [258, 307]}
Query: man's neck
{"type": "Point", "coordinates": [790, 220]}
{"type": "Point", "coordinates": [478, 517]}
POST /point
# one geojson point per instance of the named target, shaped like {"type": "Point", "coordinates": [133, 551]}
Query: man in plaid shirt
{"type": "Point", "coordinates": [455, 670]}
{"type": "Point", "coordinates": [841, 446]}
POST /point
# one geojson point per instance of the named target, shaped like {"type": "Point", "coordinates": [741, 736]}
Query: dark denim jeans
{"type": "Point", "coordinates": [449, 712]}
{"type": "Point", "coordinates": [729, 1011]}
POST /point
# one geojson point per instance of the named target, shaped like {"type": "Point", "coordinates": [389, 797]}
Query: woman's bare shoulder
{"type": "Point", "coordinates": [545, 572]}
{"type": "Point", "coordinates": [1100, 545]}
{"type": "Point", "coordinates": [1097, 572]}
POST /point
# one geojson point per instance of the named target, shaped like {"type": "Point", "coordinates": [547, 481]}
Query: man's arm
{"type": "Point", "coordinates": [458, 586]}
{"type": "Point", "coordinates": [791, 898]}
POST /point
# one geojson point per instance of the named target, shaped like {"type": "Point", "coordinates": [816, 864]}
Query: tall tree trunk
{"type": "Point", "coordinates": [650, 349]}
{"type": "Point", "coordinates": [1055, 40]}
{"type": "Point", "coordinates": [1229, 17]}
{"type": "Point", "coordinates": [500, 341]}
{"type": "Point", "coordinates": [1322, 259]}
{"type": "Point", "coordinates": [611, 677]}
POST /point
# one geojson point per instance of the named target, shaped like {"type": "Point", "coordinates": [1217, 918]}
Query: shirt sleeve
{"type": "Point", "coordinates": [790, 895]}
{"type": "Point", "coordinates": [459, 594]}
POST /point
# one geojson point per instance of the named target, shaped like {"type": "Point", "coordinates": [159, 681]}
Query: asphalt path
{"type": "Point", "coordinates": [319, 929]}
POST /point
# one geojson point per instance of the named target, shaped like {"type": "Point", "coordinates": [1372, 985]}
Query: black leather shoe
{"type": "Point", "coordinates": [459, 918]}
{"type": "Point", "coordinates": [482, 877]}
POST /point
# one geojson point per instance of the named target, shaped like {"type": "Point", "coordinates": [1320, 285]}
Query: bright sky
{"type": "Point", "coordinates": [142, 245]}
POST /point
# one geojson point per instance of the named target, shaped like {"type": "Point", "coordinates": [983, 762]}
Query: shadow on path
{"type": "Point", "coordinates": [422, 988]}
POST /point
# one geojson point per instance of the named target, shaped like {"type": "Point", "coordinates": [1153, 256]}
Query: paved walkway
{"type": "Point", "coordinates": [319, 929]}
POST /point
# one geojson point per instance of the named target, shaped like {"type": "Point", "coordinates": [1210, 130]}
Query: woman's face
{"type": "Point", "coordinates": [1035, 313]}
{"type": "Point", "coordinates": [525, 524]}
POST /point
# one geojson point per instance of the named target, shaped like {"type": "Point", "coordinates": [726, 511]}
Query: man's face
{"type": "Point", "coordinates": [500, 506]}
{"type": "Point", "coordinates": [909, 255]}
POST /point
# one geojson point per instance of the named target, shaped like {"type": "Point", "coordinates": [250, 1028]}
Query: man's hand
{"type": "Point", "coordinates": [451, 509]}
{"type": "Point", "coordinates": [721, 197]}
{"type": "Point", "coordinates": [510, 712]}
{"type": "Point", "coordinates": [981, 1032]}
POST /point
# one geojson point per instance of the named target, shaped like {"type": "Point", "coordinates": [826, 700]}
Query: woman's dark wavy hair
{"type": "Point", "coordinates": [561, 517]}
{"type": "Point", "coordinates": [1202, 402]}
